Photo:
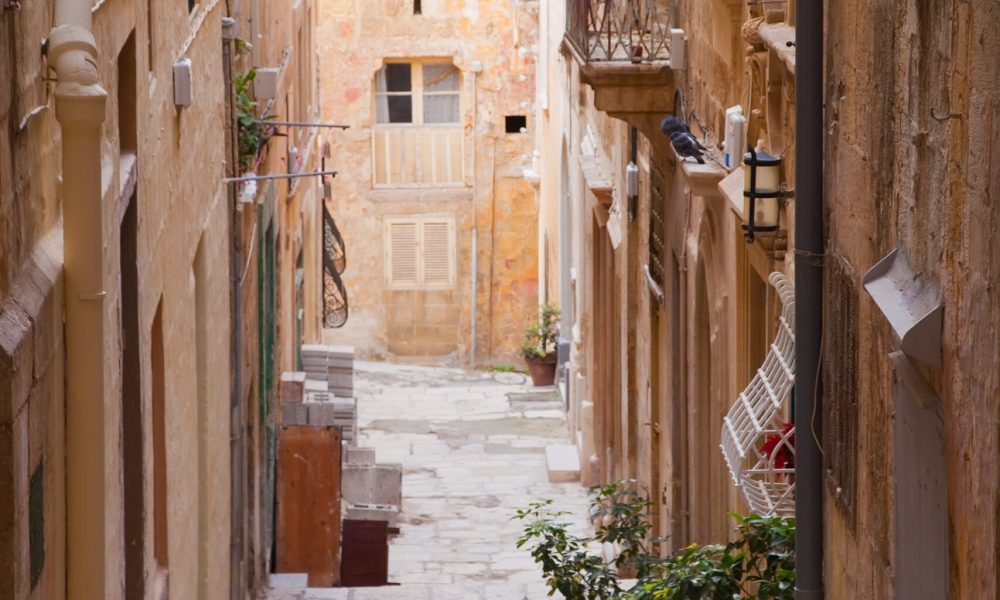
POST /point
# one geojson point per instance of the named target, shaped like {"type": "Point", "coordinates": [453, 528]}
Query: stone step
{"type": "Point", "coordinates": [562, 461]}
{"type": "Point", "coordinates": [287, 580]}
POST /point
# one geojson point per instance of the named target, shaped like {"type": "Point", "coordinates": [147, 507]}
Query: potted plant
{"type": "Point", "coordinates": [539, 348]}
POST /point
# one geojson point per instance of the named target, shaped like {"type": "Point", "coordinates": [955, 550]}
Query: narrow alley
{"type": "Point", "coordinates": [472, 446]}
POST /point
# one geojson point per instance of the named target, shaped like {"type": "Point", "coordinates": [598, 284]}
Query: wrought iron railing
{"type": "Point", "coordinates": [619, 30]}
{"type": "Point", "coordinates": [334, 263]}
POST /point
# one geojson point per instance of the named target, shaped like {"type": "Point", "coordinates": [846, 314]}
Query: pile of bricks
{"type": "Point", "coordinates": [371, 491]}
{"type": "Point", "coordinates": [323, 393]}
{"type": "Point", "coordinates": [333, 365]}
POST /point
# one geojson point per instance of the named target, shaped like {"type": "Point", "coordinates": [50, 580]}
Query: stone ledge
{"type": "Point", "coordinates": [562, 463]}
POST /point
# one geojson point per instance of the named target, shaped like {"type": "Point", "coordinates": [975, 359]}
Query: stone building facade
{"type": "Point", "coordinates": [118, 258]}
{"type": "Point", "coordinates": [669, 313]}
{"type": "Point", "coordinates": [437, 216]}
{"type": "Point", "coordinates": [668, 310]}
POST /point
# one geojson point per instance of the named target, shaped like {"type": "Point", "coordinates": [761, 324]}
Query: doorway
{"type": "Point", "coordinates": [133, 440]}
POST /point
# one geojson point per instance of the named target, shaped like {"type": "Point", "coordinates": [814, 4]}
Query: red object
{"type": "Point", "coordinates": [780, 454]}
{"type": "Point", "coordinates": [543, 370]}
{"type": "Point", "coordinates": [365, 561]}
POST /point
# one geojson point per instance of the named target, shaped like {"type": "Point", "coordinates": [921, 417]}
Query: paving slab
{"type": "Point", "coordinates": [472, 448]}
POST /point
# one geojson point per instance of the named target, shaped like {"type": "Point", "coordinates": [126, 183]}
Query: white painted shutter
{"type": "Point", "coordinates": [438, 253]}
{"type": "Point", "coordinates": [402, 253]}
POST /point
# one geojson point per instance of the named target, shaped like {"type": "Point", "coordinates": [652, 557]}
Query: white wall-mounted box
{"type": "Point", "coordinates": [265, 83]}
{"type": "Point", "coordinates": [183, 86]}
{"type": "Point", "coordinates": [678, 48]}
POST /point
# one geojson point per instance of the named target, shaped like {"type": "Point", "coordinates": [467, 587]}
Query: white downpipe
{"type": "Point", "coordinates": [93, 543]}
{"type": "Point", "coordinates": [475, 268]}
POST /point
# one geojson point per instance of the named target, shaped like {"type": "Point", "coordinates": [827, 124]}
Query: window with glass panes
{"type": "Point", "coordinates": [417, 93]}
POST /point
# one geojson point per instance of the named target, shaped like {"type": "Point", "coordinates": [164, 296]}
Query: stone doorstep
{"type": "Point", "coordinates": [562, 463]}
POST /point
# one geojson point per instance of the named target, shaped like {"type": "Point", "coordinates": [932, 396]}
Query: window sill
{"type": "Point", "coordinates": [456, 193]}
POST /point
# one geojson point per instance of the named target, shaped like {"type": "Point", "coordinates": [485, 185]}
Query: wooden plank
{"type": "Point", "coordinates": [366, 553]}
{"type": "Point", "coordinates": [308, 536]}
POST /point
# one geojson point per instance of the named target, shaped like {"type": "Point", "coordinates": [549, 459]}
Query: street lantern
{"type": "Point", "coordinates": [761, 192]}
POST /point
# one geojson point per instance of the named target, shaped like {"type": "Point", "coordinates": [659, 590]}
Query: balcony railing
{"type": "Point", "coordinates": [619, 30]}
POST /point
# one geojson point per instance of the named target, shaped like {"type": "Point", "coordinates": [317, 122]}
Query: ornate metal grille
{"type": "Point", "coordinates": [657, 224]}
{"type": "Point", "coordinates": [334, 262]}
{"type": "Point", "coordinates": [613, 30]}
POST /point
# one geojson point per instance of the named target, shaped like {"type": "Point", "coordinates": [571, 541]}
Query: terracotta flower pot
{"type": "Point", "coordinates": [543, 370]}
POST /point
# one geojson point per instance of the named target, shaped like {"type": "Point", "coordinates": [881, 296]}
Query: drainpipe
{"type": "Point", "coordinates": [236, 581]}
{"type": "Point", "coordinates": [91, 552]}
{"type": "Point", "coordinates": [474, 292]}
{"type": "Point", "coordinates": [809, 248]}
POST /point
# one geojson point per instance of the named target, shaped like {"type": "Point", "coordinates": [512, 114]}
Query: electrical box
{"type": "Point", "coordinates": [678, 47]}
{"type": "Point", "coordinates": [183, 92]}
{"type": "Point", "coordinates": [631, 180]}
{"type": "Point", "coordinates": [736, 137]}
{"type": "Point", "coordinates": [265, 83]}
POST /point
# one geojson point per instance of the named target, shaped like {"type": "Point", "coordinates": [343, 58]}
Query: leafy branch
{"type": "Point", "coordinates": [251, 132]}
{"type": "Point", "coordinates": [759, 563]}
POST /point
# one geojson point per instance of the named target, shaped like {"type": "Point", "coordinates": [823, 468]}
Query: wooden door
{"type": "Point", "coordinates": [308, 489]}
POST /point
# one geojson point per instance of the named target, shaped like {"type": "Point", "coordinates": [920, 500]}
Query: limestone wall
{"type": "Point", "coordinates": [912, 143]}
{"type": "Point", "coordinates": [354, 39]}
{"type": "Point", "coordinates": [655, 412]}
{"type": "Point", "coordinates": [32, 410]}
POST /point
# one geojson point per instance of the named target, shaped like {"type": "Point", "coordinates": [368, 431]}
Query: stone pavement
{"type": "Point", "coordinates": [472, 446]}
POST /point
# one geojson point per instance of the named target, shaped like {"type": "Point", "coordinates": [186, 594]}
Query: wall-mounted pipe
{"type": "Point", "coordinates": [91, 550]}
{"type": "Point", "coordinates": [809, 249]}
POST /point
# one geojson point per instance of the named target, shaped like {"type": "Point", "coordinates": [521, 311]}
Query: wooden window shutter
{"type": "Point", "coordinates": [402, 252]}
{"type": "Point", "coordinates": [438, 253]}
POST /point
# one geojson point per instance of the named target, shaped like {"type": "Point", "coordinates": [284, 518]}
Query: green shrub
{"type": "Point", "coordinates": [759, 563]}
{"type": "Point", "coordinates": [251, 133]}
{"type": "Point", "coordinates": [540, 339]}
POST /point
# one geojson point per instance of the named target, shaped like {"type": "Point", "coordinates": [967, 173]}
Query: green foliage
{"type": "Point", "coordinates": [568, 567]}
{"type": "Point", "coordinates": [540, 339]}
{"type": "Point", "coordinates": [503, 368]}
{"type": "Point", "coordinates": [759, 563]}
{"type": "Point", "coordinates": [251, 132]}
{"type": "Point", "coordinates": [620, 512]}
{"type": "Point", "coordinates": [242, 46]}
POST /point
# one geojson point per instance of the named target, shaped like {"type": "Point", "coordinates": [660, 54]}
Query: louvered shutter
{"type": "Point", "coordinates": [402, 253]}
{"type": "Point", "coordinates": [438, 253]}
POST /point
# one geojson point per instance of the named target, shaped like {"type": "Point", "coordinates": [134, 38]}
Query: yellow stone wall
{"type": "Point", "coordinates": [353, 40]}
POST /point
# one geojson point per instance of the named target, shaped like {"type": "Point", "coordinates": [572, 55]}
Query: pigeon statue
{"type": "Point", "coordinates": [685, 145]}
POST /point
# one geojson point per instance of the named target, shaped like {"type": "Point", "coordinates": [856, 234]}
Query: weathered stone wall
{"type": "Point", "coordinates": [354, 39]}
{"type": "Point", "coordinates": [913, 140]}
{"type": "Point", "coordinates": [32, 410]}
{"type": "Point", "coordinates": [181, 204]}
{"type": "Point", "coordinates": [683, 361]}
{"type": "Point", "coordinates": [285, 217]}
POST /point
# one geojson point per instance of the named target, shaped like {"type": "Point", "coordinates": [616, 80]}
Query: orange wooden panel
{"type": "Point", "coordinates": [308, 495]}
